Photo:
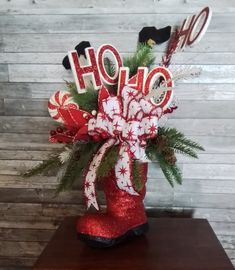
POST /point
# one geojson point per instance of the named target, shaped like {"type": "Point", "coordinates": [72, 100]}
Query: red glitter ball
{"type": "Point", "coordinates": [104, 135]}
{"type": "Point", "coordinates": [52, 132]}
{"type": "Point", "coordinates": [59, 129]}
{"type": "Point", "coordinates": [96, 138]}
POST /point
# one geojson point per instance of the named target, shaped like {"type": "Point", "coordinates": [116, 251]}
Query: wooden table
{"type": "Point", "coordinates": [171, 243]}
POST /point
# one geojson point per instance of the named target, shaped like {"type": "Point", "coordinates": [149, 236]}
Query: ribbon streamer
{"type": "Point", "coordinates": [89, 188]}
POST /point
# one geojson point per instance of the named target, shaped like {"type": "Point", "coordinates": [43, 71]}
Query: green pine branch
{"type": "Point", "coordinates": [137, 175]}
{"type": "Point", "coordinates": [166, 171]}
{"type": "Point", "coordinates": [163, 148]}
{"type": "Point", "coordinates": [171, 172]}
{"type": "Point", "coordinates": [87, 101]}
{"type": "Point", "coordinates": [45, 166]}
{"type": "Point", "coordinates": [75, 167]}
{"type": "Point", "coordinates": [177, 174]}
{"type": "Point", "coordinates": [108, 162]}
{"type": "Point", "coordinates": [143, 57]}
{"type": "Point", "coordinates": [184, 150]}
{"type": "Point", "coordinates": [176, 137]}
{"type": "Point", "coordinates": [191, 144]}
{"type": "Point", "coordinates": [109, 67]}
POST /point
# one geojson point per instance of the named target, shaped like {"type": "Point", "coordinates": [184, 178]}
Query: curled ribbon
{"type": "Point", "coordinates": [127, 120]}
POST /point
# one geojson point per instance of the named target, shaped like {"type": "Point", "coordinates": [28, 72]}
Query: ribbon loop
{"type": "Point", "coordinates": [128, 120]}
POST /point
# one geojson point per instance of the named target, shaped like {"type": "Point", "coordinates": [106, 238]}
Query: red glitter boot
{"type": "Point", "coordinates": [125, 216]}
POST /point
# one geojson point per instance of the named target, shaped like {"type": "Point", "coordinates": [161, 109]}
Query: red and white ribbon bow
{"type": "Point", "coordinates": [127, 120]}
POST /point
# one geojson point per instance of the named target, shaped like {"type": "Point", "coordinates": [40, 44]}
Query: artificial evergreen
{"type": "Point", "coordinates": [110, 69]}
{"type": "Point", "coordinates": [137, 173]}
{"type": "Point", "coordinates": [74, 168]}
{"type": "Point", "coordinates": [87, 101]}
{"type": "Point", "coordinates": [109, 66]}
{"type": "Point", "coordinates": [164, 147]}
{"type": "Point", "coordinates": [45, 166]}
{"type": "Point", "coordinates": [143, 57]}
{"type": "Point", "coordinates": [108, 162]}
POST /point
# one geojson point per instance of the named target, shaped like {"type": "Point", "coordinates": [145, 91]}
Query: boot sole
{"type": "Point", "coordinates": [103, 242]}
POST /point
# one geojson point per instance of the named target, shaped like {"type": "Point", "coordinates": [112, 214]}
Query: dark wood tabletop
{"type": "Point", "coordinates": [170, 244]}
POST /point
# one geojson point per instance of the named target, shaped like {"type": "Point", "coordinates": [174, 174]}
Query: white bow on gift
{"type": "Point", "coordinates": [127, 120]}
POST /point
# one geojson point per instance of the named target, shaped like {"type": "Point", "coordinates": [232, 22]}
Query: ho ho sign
{"type": "Point", "coordinates": [191, 31]}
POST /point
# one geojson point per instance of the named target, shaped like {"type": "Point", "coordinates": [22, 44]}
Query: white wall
{"type": "Point", "coordinates": [35, 36]}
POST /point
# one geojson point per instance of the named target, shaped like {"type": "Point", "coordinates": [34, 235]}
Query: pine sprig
{"type": "Point", "coordinates": [70, 172]}
{"type": "Point", "coordinates": [137, 173]}
{"type": "Point", "coordinates": [166, 170]}
{"type": "Point", "coordinates": [171, 172]}
{"type": "Point", "coordinates": [191, 144]}
{"type": "Point", "coordinates": [176, 139]}
{"type": "Point", "coordinates": [109, 66]}
{"type": "Point", "coordinates": [177, 174]}
{"type": "Point", "coordinates": [163, 148]}
{"type": "Point", "coordinates": [142, 58]}
{"type": "Point", "coordinates": [87, 101]}
{"type": "Point", "coordinates": [75, 167]}
{"type": "Point", "coordinates": [51, 163]}
{"type": "Point", "coordinates": [108, 162]}
{"type": "Point", "coordinates": [185, 150]}
{"type": "Point", "coordinates": [110, 69]}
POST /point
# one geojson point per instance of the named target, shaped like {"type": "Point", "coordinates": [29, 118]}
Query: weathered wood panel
{"type": "Point", "coordinates": [45, 210]}
{"type": "Point", "coordinates": [31, 50]}
{"type": "Point", "coordinates": [187, 108]}
{"type": "Point", "coordinates": [26, 142]}
{"type": "Point", "coordinates": [39, 196]}
{"type": "Point", "coordinates": [25, 235]}
{"type": "Point", "coordinates": [203, 200]}
{"type": "Point", "coordinates": [189, 170]}
{"type": "Point", "coordinates": [94, 7]}
{"type": "Point", "coordinates": [56, 73]}
{"type": "Point", "coordinates": [61, 43]}
{"type": "Point", "coordinates": [27, 107]}
{"type": "Point", "coordinates": [18, 124]}
{"type": "Point", "coordinates": [3, 73]}
{"type": "Point", "coordinates": [2, 107]}
{"type": "Point", "coordinates": [198, 127]}
{"type": "Point", "coordinates": [29, 90]}
{"type": "Point", "coordinates": [103, 23]}
{"type": "Point", "coordinates": [31, 222]}
{"type": "Point", "coordinates": [203, 158]}
{"type": "Point", "coordinates": [204, 92]}
{"type": "Point", "coordinates": [11, 141]}
{"type": "Point", "coordinates": [188, 91]}
{"type": "Point", "coordinates": [224, 58]}
{"type": "Point", "coordinates": [24, 154]}
{"type": "Point", "coordinates": [204, 109]}
{"type": "Point", "coordinates": [37, 182]}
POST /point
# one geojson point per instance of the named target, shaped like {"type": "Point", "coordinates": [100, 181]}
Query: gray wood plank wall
{"type": "Point", "coordinates": [34, 37]}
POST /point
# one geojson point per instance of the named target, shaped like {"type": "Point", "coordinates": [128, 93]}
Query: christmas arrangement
{"type": "Point", "coordinates": [110, 126]}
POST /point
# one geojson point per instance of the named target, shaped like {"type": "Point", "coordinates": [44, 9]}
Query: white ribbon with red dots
{"type": "Point", "coordinates": [127, 120]}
